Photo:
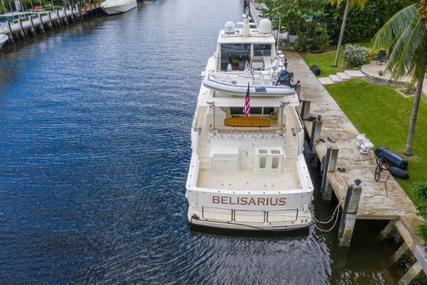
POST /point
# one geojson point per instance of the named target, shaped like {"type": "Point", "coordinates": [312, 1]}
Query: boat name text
{"type": "Point", "coordinates": [246, 201]}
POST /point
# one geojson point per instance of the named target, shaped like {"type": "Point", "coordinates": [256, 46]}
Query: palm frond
{"type": "Point", "coordinates": [402, 60]}
{"type": "Point", "coordinates": [387, 36]}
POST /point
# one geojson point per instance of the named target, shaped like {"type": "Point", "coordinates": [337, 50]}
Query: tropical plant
{"type": "Point", "coordinates": [405, 36]}
{"type": "Point", "coordinates": [302, 18]}
{"type": "Point", "coordinates": [349, 4]}
{"type": "Point", "coordinates": [313, 37]}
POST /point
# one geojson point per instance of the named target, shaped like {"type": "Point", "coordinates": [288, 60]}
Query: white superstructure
{"type": "Point", "coordinates": [248, 172]}
{"type": "Point", "coordinates": [112, 7]}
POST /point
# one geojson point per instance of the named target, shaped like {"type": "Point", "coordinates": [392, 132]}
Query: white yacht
{"type": "Point", "coordinates": [3, 40]}
{"type": "Point", "coordinates": [112, 7]}
{"type": "Point", "coordinates": [247, 168]}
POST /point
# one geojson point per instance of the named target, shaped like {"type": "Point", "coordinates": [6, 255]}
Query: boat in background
{"type": "Point", "coordinates": [3, 40]}
{"type": "Point", "coordinates": [112, 7]}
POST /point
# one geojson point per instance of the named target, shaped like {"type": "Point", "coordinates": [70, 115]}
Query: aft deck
{"type": "Point", "coordinates": [247, 180]}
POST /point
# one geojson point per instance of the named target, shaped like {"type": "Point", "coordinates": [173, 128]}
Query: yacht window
{"type": "Point", "coordinates": [236, 55]}
{"type": "Point", "coordinates": [262, 49]}
{"type": "Point", "coordinates": [275, 163]}
{"type": "Point", "coordinates": [268, 110]}
{"type": "Point", "coordinates": [262, 162]}
{"type": "Point", "coordinates": [263, 151]}
{"type": "Point", "coordinates": [237, 111]}
{"type": "Point", "coordinates": [275, 151]}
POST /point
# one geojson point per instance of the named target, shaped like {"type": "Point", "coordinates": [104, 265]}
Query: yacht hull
{"type": "Point", "coordinates": [248, 226]}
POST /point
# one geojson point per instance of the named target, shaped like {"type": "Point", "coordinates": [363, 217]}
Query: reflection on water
{"type": "Point", "coordinates": [95, 144]}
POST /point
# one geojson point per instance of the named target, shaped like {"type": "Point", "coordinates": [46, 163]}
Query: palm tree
{"type": "Point", "coordinates": [349, 4]}
{"type": "Point", "coordinates": [405, 36]}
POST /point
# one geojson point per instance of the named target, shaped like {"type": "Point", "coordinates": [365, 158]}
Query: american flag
{"type": "Point", "coordinates": [247, 107]}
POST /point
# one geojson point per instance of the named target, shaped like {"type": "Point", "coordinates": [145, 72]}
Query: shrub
{"type": "Point", "coordinates": [420, 190]}
{"type": "Point", "coordinates": [313, 37]}
{"type": "Point", "coordinates": [355, 55]}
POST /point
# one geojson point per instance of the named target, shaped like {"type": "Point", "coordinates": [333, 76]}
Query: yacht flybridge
{"type": "Point", "coordinates": [247, 169]}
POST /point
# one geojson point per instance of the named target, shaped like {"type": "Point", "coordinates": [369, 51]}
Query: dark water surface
{"type": "Point", "coordinates": [94, 149]}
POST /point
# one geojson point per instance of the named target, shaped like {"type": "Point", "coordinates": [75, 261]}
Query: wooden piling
{"type": "Point", "coordinates": [65, 16]}
{"type": "Point", "coordinates": [84, 2]}
{"type": "Point", "coordinates": [348, 218]}
{"type": "Point", "coordinates": [10, 32]}
{"type": "Point", "coordinates": [386, 232]}
{"type": "Point", "coordinates": [329, 166]}
{"type": "Point", "coordinates": [50, 20]}
{"type": "Point", "coordinates": [315, 132]}
{"type": "Point", "coordinates": [305, 110]}
{"type": "Point", "coordinates": [41, 23]}
{"type": "Point", "coordinates": [33, 29]}
{"type": "Point", "coordinates": [21, 27]}
{"type": "Point", "coordinates": [411, 274]}
{"type": "Point", "coordinates": [58, 18]}
{"type": "Point", "coordinates": [399, 253]}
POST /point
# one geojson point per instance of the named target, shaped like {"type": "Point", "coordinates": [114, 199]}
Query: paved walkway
{"type": "Point", "coordinates": [372, 70]}
{"type": "Point", "coordinates": [377, 202]}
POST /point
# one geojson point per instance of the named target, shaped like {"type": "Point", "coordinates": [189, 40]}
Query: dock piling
{"type": "Point", "coordinates": [348, 218]}
{"type": "Point", "coordinates": [33, 30]}
{"type": "Point", "coordinates": [50, 20]}
{"type": "Point", "coordinates": [399, 253]}
{"type": "Point", "coordinates": [21, 27]}
{"type": "Point", "coordinates": [411, 274]}
{"type": "Point", "coordinates": [65, 16]}
{"type": "Point", "coordinates": [58, 19]}
{"type": "Point", "coordinates": [386, 232]}
{"type": "Point", "coordinates": [41, 23]}
{"type": "Point", "coordinates": [315, 132]}
{"type": "Point", "coordinates": [329, 165]}
{"type": "Point", "coordinates": [305, 110]}
{"type": "Point", "coordinates": [10, 32]}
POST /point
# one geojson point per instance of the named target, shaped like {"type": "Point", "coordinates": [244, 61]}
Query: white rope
{"type": "Point", "coordinates": [328, 220]}
{"type": "Point", "coordinates": [335, 215]}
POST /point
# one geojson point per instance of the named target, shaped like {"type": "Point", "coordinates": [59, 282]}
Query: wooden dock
{"type": "Point", "coordinates": [47, 20]}
{"type": "Point", "coordinates": [376, 201]}
{"type": "Point", "coordinates": [334, 142]}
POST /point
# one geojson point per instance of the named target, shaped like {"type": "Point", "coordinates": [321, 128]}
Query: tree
{"type": "Point", "coordinates": [405, 37]}
{"type": "Point", "coordinates": [349, 4]}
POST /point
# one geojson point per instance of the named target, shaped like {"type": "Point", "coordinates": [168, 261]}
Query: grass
{"type": "Point", "coordinates": [383, 115]}
{"type": "Point", "coordinates": [325, 61]}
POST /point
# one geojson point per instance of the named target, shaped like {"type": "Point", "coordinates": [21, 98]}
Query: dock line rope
{"type": "Point", "coordinates": [335, 215]}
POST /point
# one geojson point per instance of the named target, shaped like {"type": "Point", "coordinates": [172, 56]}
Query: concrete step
{"type": "Point", "coordinates": [335, 78]}
{"type": "Point", "coordinates": [343, 76]}
{"type": "Point", "coordinates": [325, 81]}
{"type": "Point", "coordinates": [354, 73]}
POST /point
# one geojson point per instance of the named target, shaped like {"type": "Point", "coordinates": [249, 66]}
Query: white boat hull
{"type": "Point", "coordinates": [111, 9]}
{"type": "Point", "coordinates": [304, 221]}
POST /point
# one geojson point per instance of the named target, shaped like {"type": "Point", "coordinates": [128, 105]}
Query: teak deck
{"type": "Point", "coordinates": [374, 203]}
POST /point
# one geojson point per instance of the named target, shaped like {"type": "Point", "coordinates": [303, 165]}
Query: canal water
{"type": "Point", "coordinates": [94, 150]}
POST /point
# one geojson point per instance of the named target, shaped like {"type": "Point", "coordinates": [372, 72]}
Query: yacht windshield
{"type": "Point", "coordinates": [262, 50]}
{"type": "Point", "coordinates": [234, 56]}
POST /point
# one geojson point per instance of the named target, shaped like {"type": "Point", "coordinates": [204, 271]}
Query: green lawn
{"type": "Point", "coordinates": [325, 61]}
{"type": "Point", "coordinates": [383, 115]}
